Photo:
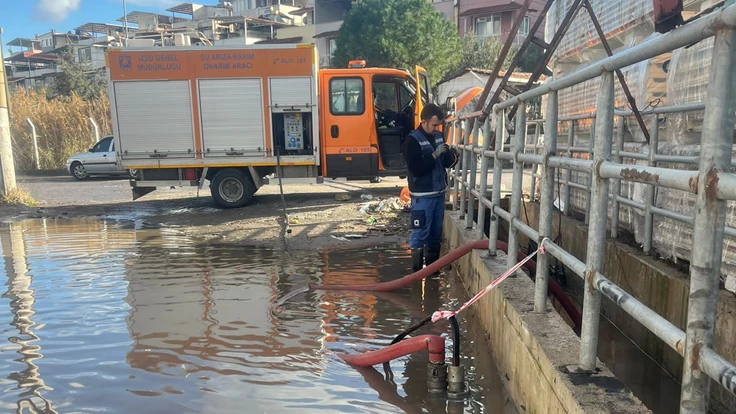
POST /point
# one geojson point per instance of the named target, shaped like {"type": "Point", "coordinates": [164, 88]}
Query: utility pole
{"type": "Point", "coordinates": [125, 20]}
{"type": "Point", "coordinates": [7, 166]}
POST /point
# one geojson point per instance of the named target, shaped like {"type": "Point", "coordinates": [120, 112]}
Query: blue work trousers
{"type": "Point", "coordinates": [427, 216]}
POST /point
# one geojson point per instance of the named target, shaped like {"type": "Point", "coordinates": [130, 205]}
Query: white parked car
{"type": "Point", "coordinates": [99, 160]}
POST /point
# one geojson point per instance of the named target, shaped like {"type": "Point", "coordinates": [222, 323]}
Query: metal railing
{"type": "Point", "coordinates": [713, 184]}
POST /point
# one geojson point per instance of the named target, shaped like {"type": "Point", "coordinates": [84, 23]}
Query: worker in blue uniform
{"type": "Point", "coordinates": [427, 159]}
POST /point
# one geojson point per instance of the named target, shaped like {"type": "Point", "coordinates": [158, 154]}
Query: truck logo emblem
{"type": "Point", "coordinates": [125, 62]}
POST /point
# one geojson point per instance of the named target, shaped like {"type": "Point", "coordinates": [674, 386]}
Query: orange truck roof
{"type": "Point", "coordinates": [158, 63]}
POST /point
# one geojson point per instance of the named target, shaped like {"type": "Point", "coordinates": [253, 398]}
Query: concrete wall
{"type": "Point", "coordinates": [305, 32]}
{"type": "Point", "coordinates": [447, 8]}
{"type": "Point", "coordinates": [533, 350]}
{"type": "Point", "coordinates": [659, 286]}
{"type": "Point", "coordinates": [326, 11]}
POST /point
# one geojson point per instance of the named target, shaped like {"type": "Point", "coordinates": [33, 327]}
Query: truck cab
{"type": "Point", "coordinates": [366, 114]}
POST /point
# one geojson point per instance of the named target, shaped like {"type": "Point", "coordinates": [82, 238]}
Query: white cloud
{"type": "Point", "coordinates": [54, 11]}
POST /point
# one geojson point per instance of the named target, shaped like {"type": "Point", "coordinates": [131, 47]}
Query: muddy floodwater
{"type": "Point", "coordinates": [114, 317]}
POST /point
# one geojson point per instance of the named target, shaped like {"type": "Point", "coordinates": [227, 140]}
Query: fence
{"type": "Point", "coordinates": [713, 184]}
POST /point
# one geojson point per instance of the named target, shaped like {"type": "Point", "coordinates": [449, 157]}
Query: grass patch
{"type": "Point", "coordinates": [18, 196]}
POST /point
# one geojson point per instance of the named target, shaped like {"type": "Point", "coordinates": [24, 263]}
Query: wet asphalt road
{"type": "Point", "coordinates": [65, 190]}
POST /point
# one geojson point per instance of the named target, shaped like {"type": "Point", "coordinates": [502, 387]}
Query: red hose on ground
{"type": "Point", "coordinates": [412, 278]}
{"type": "Point", "coordinates": [433, 343]}
{"type": "Point", "coordinates": [449, 258]}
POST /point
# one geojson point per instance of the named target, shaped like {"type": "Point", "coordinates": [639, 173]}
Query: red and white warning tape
{"type": "Point", "coordinates": [448, 314]}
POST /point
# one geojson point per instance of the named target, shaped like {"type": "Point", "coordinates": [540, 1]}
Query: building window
{"type": "Point", "coordinates": [85, 54]}
{"type": "Point", "coordinates": [333, 47]}
{"type": "Point", "coordinates": [488, 26]}
{"type": "Point", "coordinates": [524, 29]}
{"type": "Point", "coordinates": [347, 96]}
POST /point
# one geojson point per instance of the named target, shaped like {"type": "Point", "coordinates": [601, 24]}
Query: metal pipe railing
{"type": "Point", "coordinates": [546, 207]}
{"type": "Point", "coordinates": [497, 171]}
{"type": "Point", "coordinates": [617, 182]}
{"type": "Point", "coordinates": [484, 177]}
{"type": "Point", "coordinates": [517, 183]}
{"type": "Point", "coordinates": [710, 220]}
{"type": "Point", "coordinates": [712, 184]}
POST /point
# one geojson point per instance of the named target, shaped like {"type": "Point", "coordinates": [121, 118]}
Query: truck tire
{"type": "Point", "coordinates": [232, 188]}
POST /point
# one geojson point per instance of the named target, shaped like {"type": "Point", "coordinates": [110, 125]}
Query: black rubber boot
{"type": "Point", "coordinates": [431, 254]}
{"type": "Point", "coordinates": [417, 259]}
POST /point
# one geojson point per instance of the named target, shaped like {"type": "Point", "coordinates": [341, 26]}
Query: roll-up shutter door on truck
{"type": "Point", "coordinates": [155, 117]}
{"type": "Point", "coordinates": [232, 117]}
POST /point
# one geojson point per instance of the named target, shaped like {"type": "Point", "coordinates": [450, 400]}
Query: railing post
{"type": "Point", "coordinates": [533, 187]}
{"type": "Point", "coordinates": [590, 176]}
{"type": "Point", "coordinates": [484, 161]}
{"type": "Point", "coordinates": [617, 183]}
{"type": "Point", "coordinates": [456, 183]}
{"type": "Point", "coordinates": [546, 201]}
{"type": "Point", "coordinates": [464, 170]}
{"type": "Point", "coordinates": [499, 118]}
{"type": "Point", "coordinates": [34, 139]}
{"type": "Point", "coordinates": [568, 172]}
{"type": "Point", "coordinates": [517, 147]}
{"type": "Point", "coordinates": [472, 141]}
{"type": "Point", "coordinates": [710, 220]}
{"type": "Point", "coordinates": [648, 216]}
{"type": "Point", "coordinates": [96, 129]}
{"type": "Point", "coordinates": [597, 228]}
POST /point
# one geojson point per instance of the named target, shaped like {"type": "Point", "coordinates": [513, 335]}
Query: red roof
{"type": "Point", "coordinates": [25, 56]}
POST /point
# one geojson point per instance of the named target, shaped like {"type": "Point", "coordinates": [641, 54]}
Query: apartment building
{"type": "Point", "coordinates": [494, 18]}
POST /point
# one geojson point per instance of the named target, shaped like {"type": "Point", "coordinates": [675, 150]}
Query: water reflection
{"type": "Point", "coordinates": [124, 318]}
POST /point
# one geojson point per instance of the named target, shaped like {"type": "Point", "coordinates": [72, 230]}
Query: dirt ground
{"type": "Point", "coordinates": [318, 215]}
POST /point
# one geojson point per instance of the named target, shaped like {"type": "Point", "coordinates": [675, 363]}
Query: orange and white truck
{"type": "Point", "coordinates": [239, 116]}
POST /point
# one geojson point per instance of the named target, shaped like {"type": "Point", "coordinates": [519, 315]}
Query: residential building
{"type": "Point", "coordinates": [328, 15]}
{"type": "Point", "coordinates": [238, 22]}
{"type": "Point", "coordinates": [33, 62]}
{"type": "Point", "coordinates": [304, 33]}
{"type": "Point", "coordinates": [494, 18]}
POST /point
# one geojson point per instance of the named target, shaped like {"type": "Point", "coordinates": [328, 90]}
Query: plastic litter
{"type": "Point", "coordinates": [390, 204]}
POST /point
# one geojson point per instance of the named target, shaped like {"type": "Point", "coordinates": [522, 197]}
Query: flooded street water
{"type": "Point", "coordinates": [115, 317]}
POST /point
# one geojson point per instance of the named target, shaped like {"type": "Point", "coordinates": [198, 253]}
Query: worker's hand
{"type": "Point", "coordinates": [443, 148]}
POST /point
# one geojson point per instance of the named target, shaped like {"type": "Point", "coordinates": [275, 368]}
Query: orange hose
{"type": "Point", "coordinates": [433, 343]}
{"type": "Point", "coordinates": [449, 258]}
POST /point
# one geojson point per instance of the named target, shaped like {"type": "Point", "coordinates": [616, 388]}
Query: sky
{"type": "Point", "coordinates": [25, 18]}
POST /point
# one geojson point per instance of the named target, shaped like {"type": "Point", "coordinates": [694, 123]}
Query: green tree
{"type": "Point", "coordinates": [76, 78]}
{"type": "Point", "coordinates": [481, 53]}
{"type": "Point", "coordinates": [398, 33]}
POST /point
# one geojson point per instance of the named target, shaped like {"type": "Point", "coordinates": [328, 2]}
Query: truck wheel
{"type": "Point", "coordinates": [232, 189]}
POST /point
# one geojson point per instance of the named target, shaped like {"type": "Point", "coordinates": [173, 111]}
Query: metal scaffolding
{"type": "Point", "coordinates": [713, 184]}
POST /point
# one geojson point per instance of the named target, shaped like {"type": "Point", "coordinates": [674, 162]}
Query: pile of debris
{"type": "Point", "coordinates": [375, 205]}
